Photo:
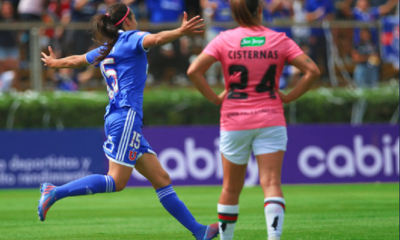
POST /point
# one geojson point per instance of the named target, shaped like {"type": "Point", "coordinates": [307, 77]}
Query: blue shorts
{"type": "Point", "coordinates": [125, 142]}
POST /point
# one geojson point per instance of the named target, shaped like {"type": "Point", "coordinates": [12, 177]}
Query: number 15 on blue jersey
{"type": "Point", "coordinates": [110, 75]}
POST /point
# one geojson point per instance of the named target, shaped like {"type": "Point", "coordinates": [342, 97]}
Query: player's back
{"type": "Point", "coordinates": [252, 61]}
{"type": "Point", "coordinates": [125, 71]}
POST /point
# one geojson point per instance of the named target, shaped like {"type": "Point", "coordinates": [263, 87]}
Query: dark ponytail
{"type": "Point", "coordinates": [245, 12]}
{"type": "Point", "coordinates": [106, 27]}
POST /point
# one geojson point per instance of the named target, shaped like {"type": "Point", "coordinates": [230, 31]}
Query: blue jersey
{"type": "Point", "coordinates": [125, 71]}
{"type": "Point", "coordinates": [165, 10]}
{"type": "Point", "coordinates": [86, 12]}
{"type": "Point", "coordinates": [327, 6]}
{"type": "Point", "coordinates": [222, 13]}
{"type": "Point", "coordinates": [369, 16]}
{"type": "Point", "coordinates": [283, 15]}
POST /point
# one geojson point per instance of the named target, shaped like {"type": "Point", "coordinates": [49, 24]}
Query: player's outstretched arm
{"type": "Point", "coordinates": [76, 61]}
{"type": "Point", "coordinates": [188, 27]}
{"type": "Point", "coordinates": [311, 74]}
{"type": "Point", "coordinates": [196, 74]}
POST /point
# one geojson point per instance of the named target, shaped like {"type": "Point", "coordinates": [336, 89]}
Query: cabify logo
{"type": "Point", "coordinates": [252, 42]}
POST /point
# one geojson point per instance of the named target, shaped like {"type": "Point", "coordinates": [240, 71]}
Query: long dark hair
{"type": "Point", "coordinates": [245, 12]}
{"type": "Point", "coordinates": [106, 27]}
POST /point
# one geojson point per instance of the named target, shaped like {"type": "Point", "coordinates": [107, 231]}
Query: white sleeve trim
{"type": "Point", "coordinates": [87, 59]}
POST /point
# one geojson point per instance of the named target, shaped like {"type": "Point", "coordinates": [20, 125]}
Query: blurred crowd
{"type": "Point", "coordinates": [357, 47]}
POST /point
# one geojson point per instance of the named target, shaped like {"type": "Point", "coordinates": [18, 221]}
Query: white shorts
{"type": "Point", "coordinates": [236, 146]}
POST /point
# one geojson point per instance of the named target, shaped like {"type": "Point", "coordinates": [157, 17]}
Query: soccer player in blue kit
{"type": "Point", "coordinates": [123, 62]}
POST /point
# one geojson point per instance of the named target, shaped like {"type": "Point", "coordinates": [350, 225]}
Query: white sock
{"type": "Point", "coordinates": [274, 208]}
{"type": "Point", "coordinates": [227, 215]}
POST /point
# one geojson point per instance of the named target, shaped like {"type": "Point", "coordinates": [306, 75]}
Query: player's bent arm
{"type": "Point", "coordinates": [387, 7]}
{"type": "Point", "coordinates": [164, 37]}
{"type": "Point", "coordinates": [76, 61]}
{"type": "Point", "coordinates": [311, 74]}
{"type": "Point", "coordinates": [196, 74]}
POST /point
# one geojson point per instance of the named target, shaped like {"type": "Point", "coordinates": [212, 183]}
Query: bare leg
{"type": "Point", "coordinates": [149, 166]}
{"type": "Point", "coordinates": [234, 176]}
{"type": "Point", "coordinates": [270, 168]}
{"type": "Point", "coordinates": [120, 174]}
{"type": "Point", "coordinates": [228, 206]}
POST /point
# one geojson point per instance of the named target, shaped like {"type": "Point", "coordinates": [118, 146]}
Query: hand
{"type": "Point", "coordinates": [221, 97]}
{"type": "Point", "coordinates": [284, 97]}
{"type": "Point", "coordinates": [50, 59]}
{"type": "Point", "coordinates": [191, 26]}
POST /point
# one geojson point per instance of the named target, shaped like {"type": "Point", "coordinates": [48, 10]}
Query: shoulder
{"type": "Point", "coordinates": [134, 35]}
{"type": "Point", "coordinates": [128, 34]}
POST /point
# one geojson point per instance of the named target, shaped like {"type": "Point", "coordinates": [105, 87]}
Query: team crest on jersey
{"type": "Point", "coordinates": [252, 42]}
{"type": "Point", "coordinates": [132, 155]}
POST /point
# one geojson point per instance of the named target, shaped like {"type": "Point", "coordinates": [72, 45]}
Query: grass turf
{"type": "Point", "coordinates": [337, 212]}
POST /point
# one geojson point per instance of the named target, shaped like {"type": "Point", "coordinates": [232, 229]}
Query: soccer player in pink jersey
{"type": "Point", "coordinates": [252, 118]}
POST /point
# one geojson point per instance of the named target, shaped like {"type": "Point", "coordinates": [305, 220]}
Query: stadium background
{"type": "Point", "coordinates": [343, 131]}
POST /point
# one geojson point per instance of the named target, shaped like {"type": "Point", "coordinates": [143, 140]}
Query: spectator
{"type": "Point", "coordinates": [59, 10]}
{"type": "Point", "coordinates": [165, 11]}
{"type": "Point", "coordinates": [279, 10]}
{"type": "Point", "coordinates": [317, 11]}
{"type": "Point", "coordinates": [301, 35]}
{"type": "Point", "coordinates": [219, 11]}
{"type": "Point", "coordinates": [138, 8]}
{"type": "Point", "coordinates": [366, 57]}
{"type": "Point", "coordinates": [32, 10]}
{"type": "Point", "coordinates": [170, 61]}
{"type": "Point", "coordinates": [102, 8]}
{"type": "Point", "coordinates": [9, 51]}
{"type": "Point", "coordinates": [81, 11]}
{"type": "Point", "coordinates": [363, 12]}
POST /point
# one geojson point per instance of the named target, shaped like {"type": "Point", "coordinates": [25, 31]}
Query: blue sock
{"type": "Point", "coordinates": [89, 185]}
{"type": "Point", "coordinates": [177, 208]}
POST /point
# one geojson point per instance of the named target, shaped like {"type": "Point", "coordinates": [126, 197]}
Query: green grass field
{"type": "Point", "coordinates": [339, 212]}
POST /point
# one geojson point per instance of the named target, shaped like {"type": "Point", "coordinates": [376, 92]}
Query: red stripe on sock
{"type": "Point", "coordinates": [282, 205]}
{"type": "Point", "coordinates": [227, 218]}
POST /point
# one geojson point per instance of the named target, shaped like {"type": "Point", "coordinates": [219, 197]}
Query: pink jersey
{"type": "Point", "coordinates": [252, 62]}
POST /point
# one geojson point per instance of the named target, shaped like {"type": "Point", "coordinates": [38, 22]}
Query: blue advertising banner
{"type": "Point", "coordinates": [390, 40]}
{"type": "Point", "coordinates": [28, 158]}
{"type": "Point", "coordinates": [315, 154]}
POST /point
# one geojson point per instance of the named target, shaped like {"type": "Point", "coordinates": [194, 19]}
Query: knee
{"type": "Point", "coordinates": [119, 186]}
{"type": "Point", "coordinates": [119, 182]}
{"type": "Point", "coordinates": [231, 190]}
{"type": "Point", "coordinates": [268, 182]}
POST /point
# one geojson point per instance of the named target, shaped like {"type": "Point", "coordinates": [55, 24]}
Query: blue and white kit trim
{"type": "Point", "coordinates": [123, 144]}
